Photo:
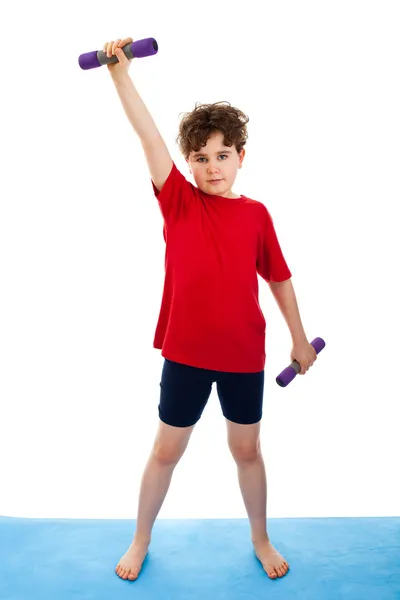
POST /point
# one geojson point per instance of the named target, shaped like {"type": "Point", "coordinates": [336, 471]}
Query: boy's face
{"type": "Point", "coordinates": [216, 161]}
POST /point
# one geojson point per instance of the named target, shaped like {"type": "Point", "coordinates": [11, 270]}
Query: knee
{"type": "Point", "coordinates": [166, 454]}
{"type": "Point", "coordinates": [245, 453]}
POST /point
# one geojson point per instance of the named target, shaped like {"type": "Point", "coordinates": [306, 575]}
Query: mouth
{"type": "Point", "coordinates": [214, 180]}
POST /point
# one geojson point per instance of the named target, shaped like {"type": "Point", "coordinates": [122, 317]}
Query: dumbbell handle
{"type": "Point", "coordinates": [137, 49]}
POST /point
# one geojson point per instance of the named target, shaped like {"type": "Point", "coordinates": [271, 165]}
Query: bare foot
{"type": "Point", "coordinates": [274, 564]}
{"type": "Point", "coordinates": [130, 564]}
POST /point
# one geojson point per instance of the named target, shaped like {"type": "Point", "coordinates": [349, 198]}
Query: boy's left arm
{"type": "Point", "coordinates": [285, 297]}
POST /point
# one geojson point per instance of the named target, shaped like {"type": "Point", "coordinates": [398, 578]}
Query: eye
{"type": "Point", "coordinates": [206, 159]}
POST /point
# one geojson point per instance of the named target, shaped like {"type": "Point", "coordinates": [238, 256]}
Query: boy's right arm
{"type": "Point", "coordinates": [157, 155]}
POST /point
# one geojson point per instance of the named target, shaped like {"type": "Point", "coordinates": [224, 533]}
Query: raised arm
{"type": "Point", "coordinates": [157, 155]}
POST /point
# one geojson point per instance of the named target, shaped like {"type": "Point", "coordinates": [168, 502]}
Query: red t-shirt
{"type": "Point", "coordinates": [210, 315]}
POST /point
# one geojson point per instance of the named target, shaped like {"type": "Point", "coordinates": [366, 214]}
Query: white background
{"type": "Point", "coordinates": [82, 252]}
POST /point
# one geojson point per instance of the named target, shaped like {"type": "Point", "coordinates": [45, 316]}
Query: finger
{"type": "Point", "coordinates": [115, 44]}
{"type": "Point", "coordinates": [127, 40]}
{"type": "Point", "coordinates": [109, 47]}
{"type": "Point", "coordinates": [120, 54]}
{"type": "Point", "coordinates": [123, 42]}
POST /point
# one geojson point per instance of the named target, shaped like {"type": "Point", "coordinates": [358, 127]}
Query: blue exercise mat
{"type": "Point", "coordinates": [193, 559]}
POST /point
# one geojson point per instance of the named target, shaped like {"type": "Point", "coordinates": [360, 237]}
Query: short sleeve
{"type": "Point", "coordinates": [271, 264]}
{"type": "Point", "coordinates": [174, 196]}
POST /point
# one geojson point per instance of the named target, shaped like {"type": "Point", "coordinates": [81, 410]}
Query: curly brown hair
{"type": "Point", "coordinates": [196, 127]}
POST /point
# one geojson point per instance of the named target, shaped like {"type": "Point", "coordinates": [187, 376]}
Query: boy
{"type": "Point", "coordinates": [210, 328]}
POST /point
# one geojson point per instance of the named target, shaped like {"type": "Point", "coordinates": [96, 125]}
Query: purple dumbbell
{"type": "Point", "coordinates": [293, 369]}
{"type": "Point", "coordinates": [138, 49]}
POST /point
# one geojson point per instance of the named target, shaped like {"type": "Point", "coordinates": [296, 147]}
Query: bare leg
{"type": "Point", "coordinates": [169, 446]}
{"type": "Point", "coordinates": [245, 447]}
{"type": "Point", "coordinates": [253, 485]}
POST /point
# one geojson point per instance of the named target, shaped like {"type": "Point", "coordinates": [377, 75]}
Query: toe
{"type": "Point", "coordinates": [272, 573]}
{"type": "Point", "coordinates": [132, 576]}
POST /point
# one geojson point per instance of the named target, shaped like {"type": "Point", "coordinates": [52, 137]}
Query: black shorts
{"type": "Point", "coordinates": [185, 391]}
